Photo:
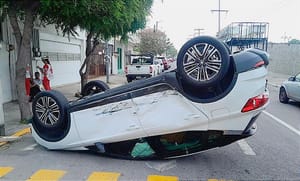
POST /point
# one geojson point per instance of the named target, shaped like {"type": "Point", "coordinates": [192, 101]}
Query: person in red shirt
{"type": "Point", "coordinates": [46, 72]}
{"type": "Point", "coordinates": [27, 80]}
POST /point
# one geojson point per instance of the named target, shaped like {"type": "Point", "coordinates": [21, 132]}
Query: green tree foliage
{"type": "Point", "coordinates": [151, 41]}
{"type": "Point", "coordinates": [171, 51]}
{"type": "Point", "coordinates": [101, 18]}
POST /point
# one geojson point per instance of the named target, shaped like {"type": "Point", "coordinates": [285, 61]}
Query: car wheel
{"type": "Point", "coordinates": [49, 110]}
{"type": "Point", "coordinates": [129, 79]}
{"type": "Point", "coordinates": [283, 96]}
{"type": "Point", "coordinates": [94, 87]}
{"type": "Point", "coordinates": [203, 61]}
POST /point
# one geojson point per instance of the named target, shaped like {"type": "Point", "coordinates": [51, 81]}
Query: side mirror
{"type": "Point", "coordinates": [291, 79]}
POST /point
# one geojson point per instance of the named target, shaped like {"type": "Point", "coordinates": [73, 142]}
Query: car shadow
{"type": "Point", "coordinates": [294, 103]}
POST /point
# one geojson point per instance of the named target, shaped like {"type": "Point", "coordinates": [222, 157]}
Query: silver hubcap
{"type": "Point", "coordinates": [202, 62]}
{"type": "Point", "coordinates": [47, 111]}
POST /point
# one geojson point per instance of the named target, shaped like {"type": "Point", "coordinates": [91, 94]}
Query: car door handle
{"type": "Point", "coordinates": [193, 117]}
{"type": "Point", "coordinates": [133, 127]}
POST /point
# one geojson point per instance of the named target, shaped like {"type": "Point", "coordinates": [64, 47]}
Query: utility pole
{"type": "Point", "coordinates": [2, 128]}
{"type": "Point", "coordinates": [107, 61]}
{"type": "Point", "coordinates": [219, 11]}
{"type": "Point", "coordinates": [156, 26]}
{"type": "Point", "coordinates": [198, 31]}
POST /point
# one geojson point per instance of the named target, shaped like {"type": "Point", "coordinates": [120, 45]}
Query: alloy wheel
{"type": "Point", "coordinates": [47, 111]}
{"type": "Point", "coordinates": [202, 62]}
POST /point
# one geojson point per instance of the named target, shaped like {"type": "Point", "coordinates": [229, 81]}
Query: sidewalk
{"type": "Point", "coordinates": [275, 79]}
{"type": "Point", "coordinates": [12, 113]}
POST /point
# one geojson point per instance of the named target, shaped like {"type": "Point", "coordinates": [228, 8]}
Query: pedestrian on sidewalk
{"type": "Point", "coordinates": [47, 73]}
{"type": "Point", "coordinates": [37, 80]}
{"type": "Point", "coordinates": [34, 90]}
{"type": "Point", "coordinates": [27, 79]}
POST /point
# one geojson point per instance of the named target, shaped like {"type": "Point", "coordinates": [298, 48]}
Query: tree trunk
{"type": "Point", "coordinates": [23, 58]}
{"type": "Point", "coordinates": [85, 68]}
{"type": "Point", "coordinates": [84, 74]}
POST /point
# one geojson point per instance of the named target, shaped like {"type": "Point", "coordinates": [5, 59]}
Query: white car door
{"type": "Point", "coordinates": [168, 112]}
{"type": "Point", "coordinates": [108, 123]}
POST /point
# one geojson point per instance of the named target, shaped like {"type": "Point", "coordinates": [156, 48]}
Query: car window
{"type": "Point", "coordinates": [147, 61]}
{"type": "Point", "coordinates": [142, 60]}
{"type": "Point", "coordinates": [135, 60]}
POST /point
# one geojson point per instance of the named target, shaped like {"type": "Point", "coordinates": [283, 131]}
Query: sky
{"type": "Point", "coordinates": [179, 18]}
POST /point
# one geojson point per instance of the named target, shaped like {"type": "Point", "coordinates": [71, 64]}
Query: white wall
{"type": "Point", "coordinates": [4, 74]}
{"type": "Point", "coordinates": [7, 66]}
{"type": "Point", "coordinates": [284, 58]}
{"type": "Point", "coordinates": [65, 72]}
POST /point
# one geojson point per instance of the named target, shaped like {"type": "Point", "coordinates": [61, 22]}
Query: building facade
{"type": "Point", "coordinates": [66, 55]}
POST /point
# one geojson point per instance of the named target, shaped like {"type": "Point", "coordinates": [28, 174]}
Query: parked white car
{"type": "Point", "coordinates": [290, 89]}
{"type": "Point", "coordinates": [212, 99]}
{"type": "Point", "coordinates": [141, 66]}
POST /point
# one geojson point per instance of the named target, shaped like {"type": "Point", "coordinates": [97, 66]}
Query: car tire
{"type": "Point", "coordinates": [283, 96]}
{"type": "Point", "coordinates": [203, 61]}
{"type": "Point", "coordinates": [129, 79]}
{"type": "Point", "coordinates": [49, 110]}
{"type": "Point", "coordinates": [94, 87]}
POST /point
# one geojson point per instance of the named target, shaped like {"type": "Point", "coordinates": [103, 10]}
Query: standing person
{"type": "Point", "coordinates": [47, 73]}
{"type": "Point", "coordinates": [34, 90]}
{"type": "Point", "coordinates": [37, 79]}
{"type": "Point", "coordinates": [27, 80]}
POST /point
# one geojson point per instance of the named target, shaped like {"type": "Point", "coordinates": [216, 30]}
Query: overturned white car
{"type": "Point", "coordinates": [212, 99]}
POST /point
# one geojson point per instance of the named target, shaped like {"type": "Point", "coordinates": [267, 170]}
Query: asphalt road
{"type": "Point", "coordinates": [273, 153]}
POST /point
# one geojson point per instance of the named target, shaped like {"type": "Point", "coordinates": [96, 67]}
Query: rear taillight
{"type": "Point", "coordinates": [126, 70]}
{"type": "Point", "coordinates": [256, 102]}
{"type": "Point", "coordinates": [260, 63]}
{"type": "Point", "coordinates": [151, 69]}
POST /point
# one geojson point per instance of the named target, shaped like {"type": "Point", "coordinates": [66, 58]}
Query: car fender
{"type": "Point", "coordinates": [286, 88]}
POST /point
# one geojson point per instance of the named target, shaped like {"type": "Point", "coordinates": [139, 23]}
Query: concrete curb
{"type": "Point", "coordinates": [19, 133]}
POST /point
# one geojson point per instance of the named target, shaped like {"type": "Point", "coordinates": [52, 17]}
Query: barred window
{"type": "Point", "coordinates": [55, 56]}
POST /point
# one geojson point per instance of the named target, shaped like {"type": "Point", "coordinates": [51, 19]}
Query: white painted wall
{"type": "Point", "coordinates": [4, 75]}
{"type": "Point", "coordinates": [65, 72]}
{"type": "Point", "coordinates": [56, 43]}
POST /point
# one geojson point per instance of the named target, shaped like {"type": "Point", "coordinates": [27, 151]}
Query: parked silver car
{"type": "Point", "coordinates": [290, 89]}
